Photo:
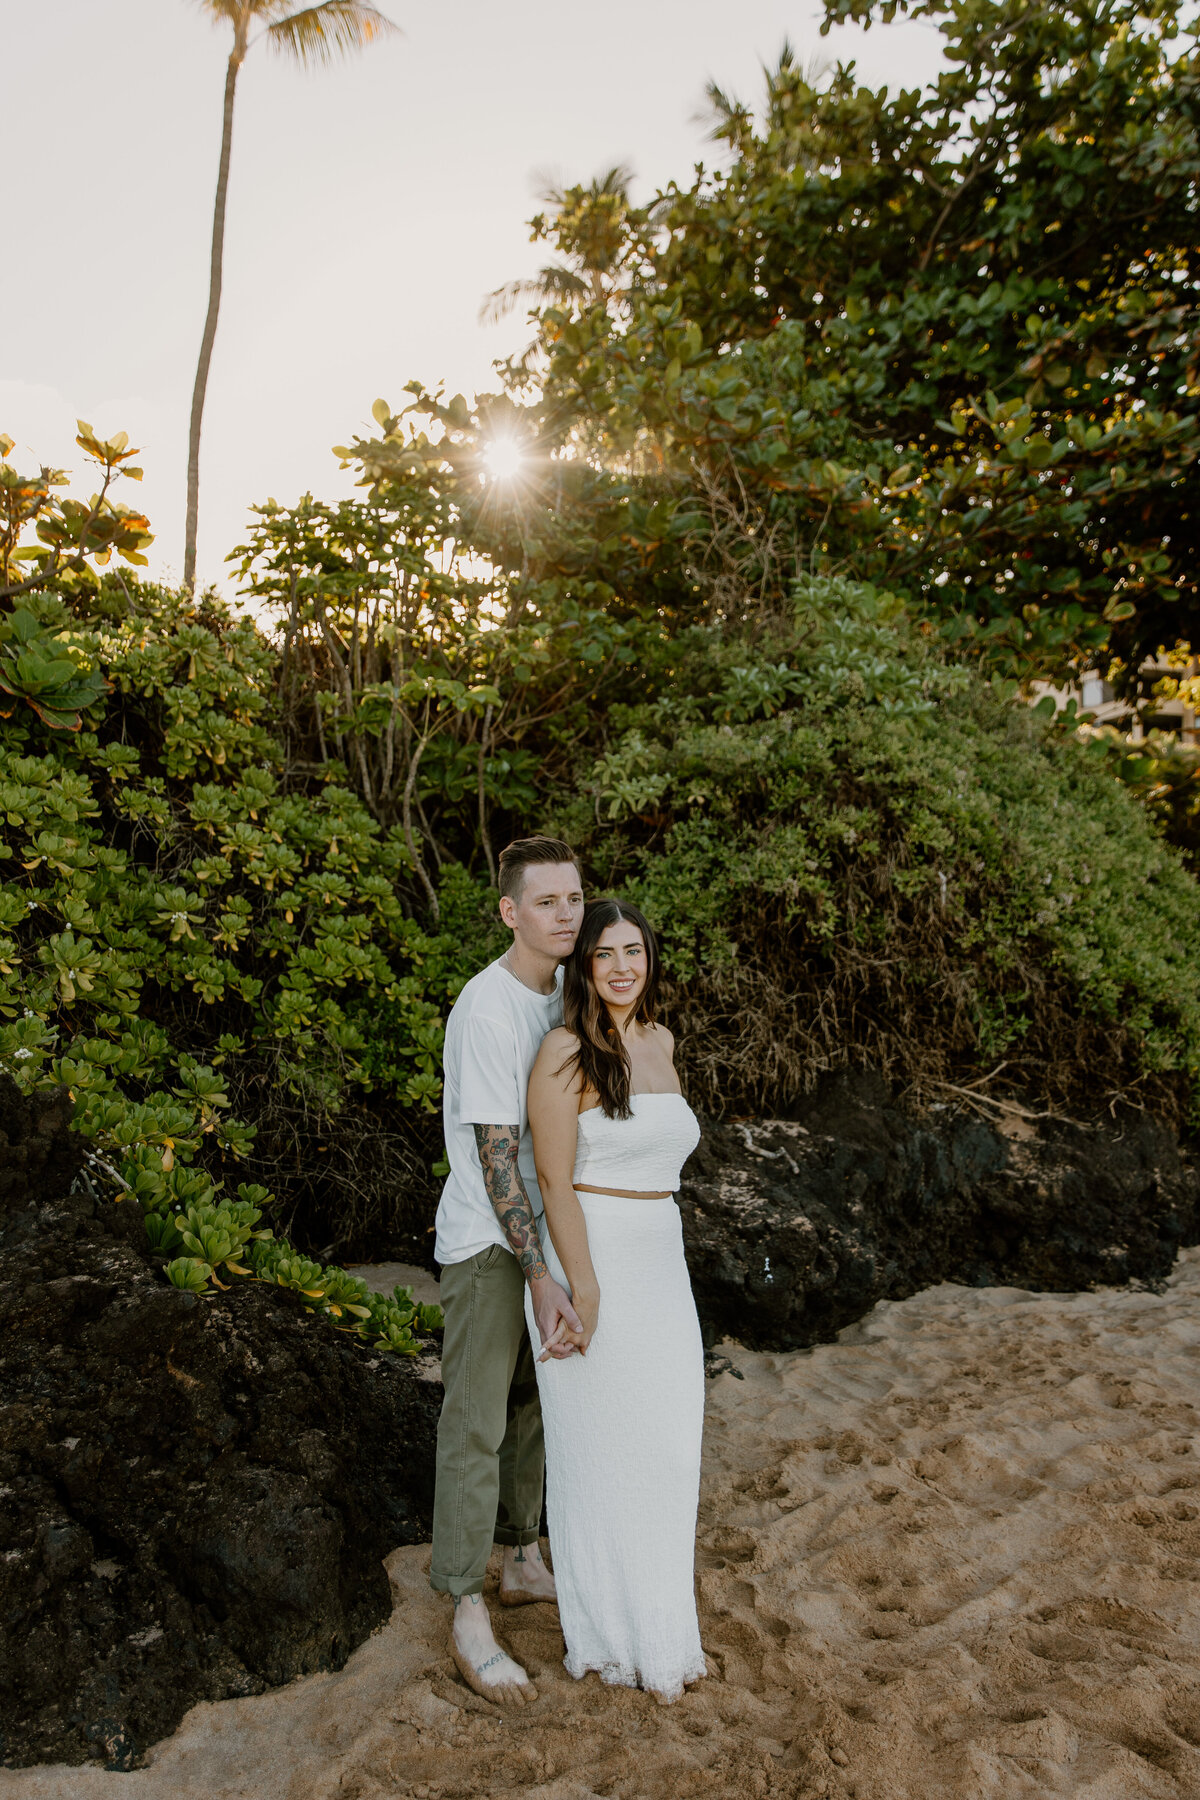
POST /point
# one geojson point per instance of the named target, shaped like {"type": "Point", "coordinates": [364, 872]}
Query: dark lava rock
{"type": "Point", "coordinates": [195, 1495]}
{"type": "Point", "coordinates": [795, 1228]}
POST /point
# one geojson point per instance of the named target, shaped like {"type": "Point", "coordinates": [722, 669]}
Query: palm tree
{"type": "Point", "coordinates": [308, 34]}
{"type": "Point", "coordinates": [785, 120]}
{"type": "Point", "coordinates": [591, 226]}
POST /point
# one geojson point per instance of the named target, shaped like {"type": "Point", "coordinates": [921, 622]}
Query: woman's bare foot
{"type": "Point", "coordinates": [486, 1668]}
{"type": "Point", "coordinates": [524, 1577]}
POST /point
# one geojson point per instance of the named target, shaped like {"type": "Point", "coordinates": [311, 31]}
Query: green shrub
{"type": "Point", "coordinates": [858, 853]}
{"type": "Point", "coordinates": [169, 913]}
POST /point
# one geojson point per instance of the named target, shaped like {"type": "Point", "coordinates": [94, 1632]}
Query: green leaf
{"type": "Point", "coordinates": [189, 1273]}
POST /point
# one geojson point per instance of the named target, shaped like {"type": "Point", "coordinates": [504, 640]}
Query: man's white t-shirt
{"type": "Point", "coordinates": [493, 1035]}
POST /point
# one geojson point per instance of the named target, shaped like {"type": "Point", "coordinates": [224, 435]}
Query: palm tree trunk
{"type": "Point", "coordinates": [210, 323]}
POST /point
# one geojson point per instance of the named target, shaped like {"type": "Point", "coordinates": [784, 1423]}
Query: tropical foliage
{"type": "Point", "coordinates": [178, 930]}
{"type": "Point", "coordinates": [48, 537]}
{"type": "Point", "coordinates": [855, 850]}
{"type": "Point", "coordinates": [818, 464]}
{"type": "Point", "coordinates": [859, 852]}
{"type": "Point", "coordinates": [948, 341]}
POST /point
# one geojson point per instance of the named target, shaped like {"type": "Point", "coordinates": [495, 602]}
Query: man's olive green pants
{"type": "Point", "coordinates": [491, 1453]}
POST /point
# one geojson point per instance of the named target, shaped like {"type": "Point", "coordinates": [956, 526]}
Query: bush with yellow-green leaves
{"type": "Point", "coordinates": [222, 1238]}
{"type": "Point", "coordinates": [168, 910]}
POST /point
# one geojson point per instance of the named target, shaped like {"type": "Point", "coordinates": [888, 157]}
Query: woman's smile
{"type": "Point", "coordinates": [619, 964]}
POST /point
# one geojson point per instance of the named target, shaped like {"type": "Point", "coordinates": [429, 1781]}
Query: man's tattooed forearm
{"type": "Point", "coordinates": [497, 1146]}
{"type": "Point", "coordinates": [522, 1234]}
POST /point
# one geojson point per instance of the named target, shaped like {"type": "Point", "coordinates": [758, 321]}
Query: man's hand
{"type": "Point", "coordinates": [555, 1316]}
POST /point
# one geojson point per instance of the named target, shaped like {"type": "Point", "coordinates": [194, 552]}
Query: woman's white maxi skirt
{"type": "Point", "coordinates": [623, 1430]}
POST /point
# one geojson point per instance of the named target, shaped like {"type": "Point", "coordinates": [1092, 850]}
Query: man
{"type": "Point", "coordinates": [491, 1457]}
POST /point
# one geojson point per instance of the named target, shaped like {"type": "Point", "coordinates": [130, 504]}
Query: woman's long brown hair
{"type": "Point", "coordinates": [601, 1057]}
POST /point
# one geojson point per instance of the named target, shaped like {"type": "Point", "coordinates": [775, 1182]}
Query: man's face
{"type": "Point", "coordinates": [548, 912]}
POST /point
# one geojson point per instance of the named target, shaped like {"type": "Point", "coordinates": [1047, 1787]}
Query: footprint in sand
{"type": "Point", "coordinates": [952, 1557]}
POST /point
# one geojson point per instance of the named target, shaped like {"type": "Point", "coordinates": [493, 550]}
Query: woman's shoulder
{"type": "Point", "coordinates": [663, 1035]}
{"type": "Point", "coordinates": [555, 1047]}
{"type": "Point", "coordinates": [556, 1069]}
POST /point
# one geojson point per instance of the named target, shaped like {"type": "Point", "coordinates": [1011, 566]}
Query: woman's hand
{"type": "Point", "coordinates": [555, 1315]}
{"type": "Point", "coordinates": [564, 1340]}
{"type": "Point", "coordinates": [587, 1306]}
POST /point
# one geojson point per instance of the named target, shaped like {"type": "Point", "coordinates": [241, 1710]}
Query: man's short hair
{"type": "Point", "coordinates": [523, 853]}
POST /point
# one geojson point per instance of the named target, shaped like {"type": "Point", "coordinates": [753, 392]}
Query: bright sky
{"type": "Point", "coordinates": [372, 206]}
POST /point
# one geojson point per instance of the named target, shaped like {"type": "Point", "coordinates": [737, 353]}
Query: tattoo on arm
{"type": "Point", "coordinates": [497, 1146]}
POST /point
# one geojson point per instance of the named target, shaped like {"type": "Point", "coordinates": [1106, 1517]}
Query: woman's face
{"type": "Point", "coordinates": [619, 965]}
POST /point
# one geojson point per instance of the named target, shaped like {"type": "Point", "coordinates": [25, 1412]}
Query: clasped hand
{"type": "Point", "coordinates": [564, 1326]}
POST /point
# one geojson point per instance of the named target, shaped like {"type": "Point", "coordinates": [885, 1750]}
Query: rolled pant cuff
{"type": "Point", "coordinates": [510, 1535]}
{"type": "Point", "coordinates": [458, 1585]}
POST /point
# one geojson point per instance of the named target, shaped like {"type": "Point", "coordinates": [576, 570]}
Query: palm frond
{"type": "Point", "coordinates": [615, 180]}
{"type": "Point", "coordinates": [499, 303]}
{"type": "Point", "coordinates": [793, 69]}
{"type": "Point", "coordinates": [320, 34]}
{"type": "Point", "coordinates": [549, 187]}
{"type": "Point", "coordinates": [552, 190]}
{"type": "Point", "coordinates": [549, 285]}
{"type": "Point", "coordinates": [726, 116]}
{"type": "Point", "coordinates": [227, 10]}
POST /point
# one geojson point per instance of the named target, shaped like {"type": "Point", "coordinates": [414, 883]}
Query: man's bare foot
{"type": "Point", "coordinates": [524, 1577]}
{"type": "Point", "coordinates": [487, 1669]}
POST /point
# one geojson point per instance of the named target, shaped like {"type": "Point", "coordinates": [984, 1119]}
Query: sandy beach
{"type": "Point", "coordinates": [952, 1555]}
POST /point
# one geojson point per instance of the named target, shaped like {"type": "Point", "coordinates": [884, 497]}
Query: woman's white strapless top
{"type": "Point", "coordinates": [644, 1153]}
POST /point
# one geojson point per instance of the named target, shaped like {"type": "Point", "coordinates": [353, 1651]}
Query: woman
{"type": "Point", "coordinates": [623, 1418]}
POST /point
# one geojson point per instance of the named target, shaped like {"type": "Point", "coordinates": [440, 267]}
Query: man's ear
{"type": "Point", "coordinates": [508, 912]}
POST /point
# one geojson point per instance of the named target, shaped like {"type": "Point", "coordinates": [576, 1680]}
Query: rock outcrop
{"type": "Point", "coordinates": [196, 1495]}
{"type": "Point", "coordinates": [795, 1228]}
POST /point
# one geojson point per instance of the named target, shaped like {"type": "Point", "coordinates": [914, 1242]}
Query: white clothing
{"type": "Point", "coordinates": [644, 1153]}
{"type": "Point", "coordinates": [493, 1035]}
{"type": "Point", "coordinates": [623, 1424]}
